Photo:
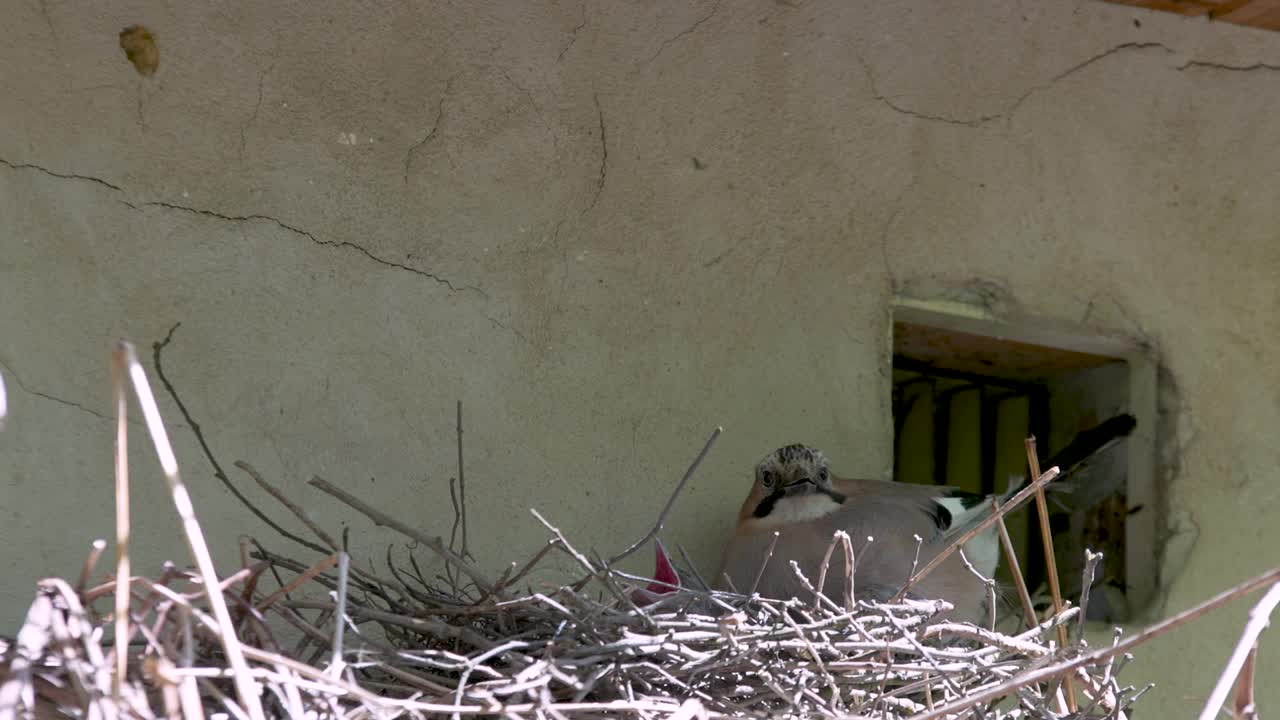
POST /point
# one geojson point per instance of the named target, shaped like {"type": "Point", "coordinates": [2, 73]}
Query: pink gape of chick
{"type": "Point", "coordinates": [665, 579]}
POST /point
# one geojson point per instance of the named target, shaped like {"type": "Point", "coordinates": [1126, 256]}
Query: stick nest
{"type": "Point", "coordinates": [387, 642]}
{"type": "Point", "coordinates": [565, 653]}
{"type": "Point", "coordinates": [460, 644]}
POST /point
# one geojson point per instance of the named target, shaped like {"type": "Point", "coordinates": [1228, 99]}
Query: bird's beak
{"type": "Point", "coordinates": [666, 579]}
{"type": "Point", "coordinates": [801, 487]}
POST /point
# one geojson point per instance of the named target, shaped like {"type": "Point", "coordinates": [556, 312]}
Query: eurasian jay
{"type": "Point", "coordinates": [795, 494]}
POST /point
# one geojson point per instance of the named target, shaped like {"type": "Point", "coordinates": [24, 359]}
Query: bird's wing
{"type": "Point", "coordinates": [938, 514]}
{"type": "Point", "coordinates": [932, 511]}
{"type": "Point", "coordinates": [889, 513]}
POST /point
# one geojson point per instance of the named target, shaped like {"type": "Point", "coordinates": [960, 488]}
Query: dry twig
{"type": "Point", "coordinates": [246, 685]}
{"type": "Point", "coordinates": [1050, 559]}
{"type": "Point", "coordinates": [1059, 669]}
{"type": "Point", "coordinates": [1242, 657]}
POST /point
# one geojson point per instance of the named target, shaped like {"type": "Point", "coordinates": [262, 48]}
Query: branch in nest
{"type": "Point", "coordinates": [381, 518]}
{"type": "Point", "coordinates": [156, 348]}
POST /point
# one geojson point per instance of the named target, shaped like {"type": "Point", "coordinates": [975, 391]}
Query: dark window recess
{"type": "Point", "coordinates": [962, 406]}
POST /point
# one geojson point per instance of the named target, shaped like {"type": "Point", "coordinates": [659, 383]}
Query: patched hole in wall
{"type": "Point", "coordinates": [968, 390]}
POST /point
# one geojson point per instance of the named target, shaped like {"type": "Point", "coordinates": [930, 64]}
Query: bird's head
{"type": "Point", "coordinates": [793, 470]}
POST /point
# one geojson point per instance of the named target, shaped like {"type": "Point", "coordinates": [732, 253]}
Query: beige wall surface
{"type": "Point", "coordinates": [608, 228]}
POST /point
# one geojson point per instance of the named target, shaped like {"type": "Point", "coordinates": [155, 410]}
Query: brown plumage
{"type": "Point", "coordinates": [806, 514]}
{"type": "Point", "coordinates": [796, 494]}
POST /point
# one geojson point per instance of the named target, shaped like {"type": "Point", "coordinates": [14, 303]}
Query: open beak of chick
{"type": "Point", "coordinates": [665, 579]}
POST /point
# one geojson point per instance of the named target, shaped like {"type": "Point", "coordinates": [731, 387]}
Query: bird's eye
{"type": "Point", "coordinates": [822, 475]}
{"type": "Point", "coordinates": [766, 478]}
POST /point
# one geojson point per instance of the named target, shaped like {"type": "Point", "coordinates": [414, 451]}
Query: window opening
{"type": "Point", "coordinates": [967, 389]}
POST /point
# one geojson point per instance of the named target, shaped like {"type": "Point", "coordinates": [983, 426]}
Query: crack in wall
{"type": "Point", "coordinates": [435, 127]}
{"type": "Point", "coordinates": [48, 19]}
{"type": "Point", "coordinates": [721, 256]}
{"type": "Point", "coordinates": [498, 323]}
{"type": "Point", "coordinates": [9, 373]}
{"type": "Point", "coordinates": [142, 116]}
{"type": "Point", "coordinates": [251, 218]}
{"type": "Point", "coordinates": [1012, 109]}
{"type": "Point", "coordinates": [60, 175]}
{"type": "Point", "coordinates": [1087, 62]}
{"type": "Point", "coordinates": [253, 117]}
{"type": "Point", "coordinates": [533, 103]}
{"type": "Point", "coordinates": [898, 205]}
{"type": "Point", "coordinates": [1226, 67]}
{"type": "Point", "coordinates": [602, 177]}
{"type": "Point", "coordinates": [715, 7]}
{"type": "Point", "coordinates": [573, 34]}
{"type": "Point", "coordinates": [883, 99]}
{"type": "Point", "coordinates": [327, 243]}
{"type": "Point", "coordinates": [604, 156]}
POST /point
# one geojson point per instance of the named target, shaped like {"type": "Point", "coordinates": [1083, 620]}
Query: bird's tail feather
{"type": "Point", "coordinates": [1084, 447]}
{"type": "Point", "coordinates": [1089, 443]}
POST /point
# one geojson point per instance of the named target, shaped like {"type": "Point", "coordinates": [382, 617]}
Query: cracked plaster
{"type": "Point", "coordinates": [608, 232]}
{"type": "Point", "coordinates": [16, 380]}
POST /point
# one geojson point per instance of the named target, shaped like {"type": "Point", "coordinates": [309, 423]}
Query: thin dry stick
{"type": "Point", "coordinates": [462, 488]}
{"type": "Point", "coordinates": [915, 560]}
{"type": "Point", "coordinates": [489, 707]}
{"type": "Point", "coordinates": [340, 614]}
{"type": "Point", "coordinates": [168, 688]}
{"type": "Point", "coordinates": [822, 569]}
{"type": "Point", "coordinates": [597, 571]}
{"type": "Point", "coordinates": [119, 365]}
{"type": "Point", "coordinates": [246, 686]}
{"type": "Point", "coordinates": [671, 501]}
{"type": "Point", "coordinates": [693, 568]}
{"type": "Point", "coordinates": [297, 582]}
{"type": "Point", "coordinates": [835, 702]}
{"type": "Point", "coordinates": [768, 555]}
{"type": "Point", "coordinates": [512, 580]}
{"type": "Point", "coordinates": [1246, 707]}
{"type": "Point", "coordinates": [188, 691]}
{"type": "Point", "coordinates": [728, 582]}
{"type": "Point", "coordinates": [90, 562]}
{"type": "Point", "coordinates": [991, 588]}
{"type": "Point", "coordinates": [1028, 607]}
{"type": "Point", "coordinates": [16, 688]}
{"type": "Point", "coordinates": [1091, 560]}
{"type": "Point", "coordinates": [1051, 671]}
{"type": "Point", "coordinates": [319, 532]}
{"type": "Point", "coordinates": [848, 570]}
{"type": "Point", "coordinates": [251, 582]}
{"type": "Point", "coordinates": [1050, 560]}
{"type": "Point", "coordinates": [380, 518]}
{"type": "Point", "coordinates": [1259, 618]}
{"type": "Point", "coordinates": [457, 517]}
{"type": "Point", "coordinates": [293, 507]}
{"type": "Point", "coordinates": [1014, 502]}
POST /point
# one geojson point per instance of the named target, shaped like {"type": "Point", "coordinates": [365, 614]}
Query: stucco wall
{"type": "Point", "coordinates": [607, 228]}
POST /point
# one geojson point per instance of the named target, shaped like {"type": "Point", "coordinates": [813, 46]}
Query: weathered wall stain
{"type": "Point", "coordinates": [140, 48]}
